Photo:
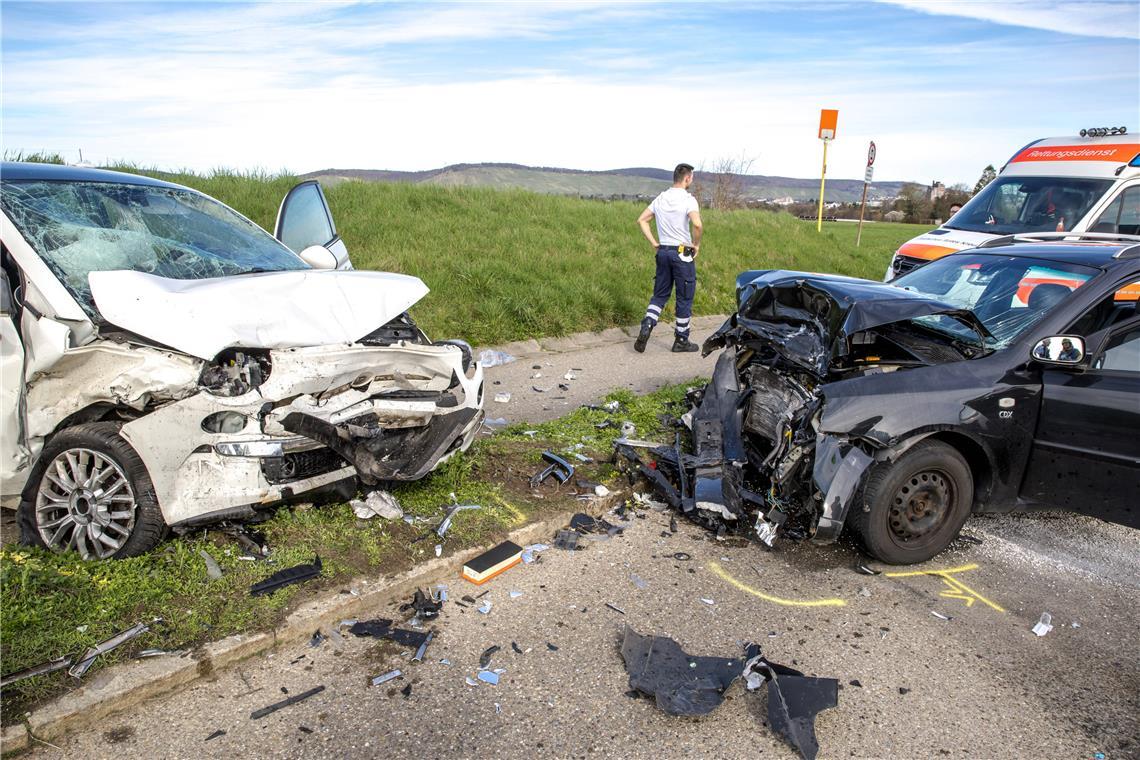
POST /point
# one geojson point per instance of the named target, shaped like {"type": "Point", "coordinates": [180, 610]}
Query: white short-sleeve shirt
{"type": "Point", "coordinates": [671, 209]}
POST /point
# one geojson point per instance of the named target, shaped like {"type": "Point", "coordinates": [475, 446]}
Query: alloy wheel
{"type": "Point", "coordinates": [85, 503]}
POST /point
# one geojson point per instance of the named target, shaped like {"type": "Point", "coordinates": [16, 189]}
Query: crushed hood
{"type": "Point", "coordinates": [807, 318]}
{"type": "Point", "coordinates": [264, 310]}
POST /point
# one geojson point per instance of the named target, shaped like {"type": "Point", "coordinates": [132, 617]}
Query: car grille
{"type": "Point", "coordinates": [904, 264]}
{"type": "Point", "coordinates": [301, 465]}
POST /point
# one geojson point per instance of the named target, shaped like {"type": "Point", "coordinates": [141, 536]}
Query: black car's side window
{"type": "Point", "coordinates": [1122, 351]}
{"type": "Point", "coordinates": [1112, 309]}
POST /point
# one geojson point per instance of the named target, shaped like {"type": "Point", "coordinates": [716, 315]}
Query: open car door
{"type": "Point", "coordinates": [13, 454]}
{"type": "Point", "coordinates": [304, 220]}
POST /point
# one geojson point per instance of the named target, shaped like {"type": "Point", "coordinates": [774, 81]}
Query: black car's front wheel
{"type": "Point", "coordinates": [913, 508]}
{"type": "Point", "coordinates": [89, 492]}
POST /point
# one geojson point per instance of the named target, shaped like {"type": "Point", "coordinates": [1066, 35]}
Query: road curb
{"type": "Point", "coordinates": [123, 686]}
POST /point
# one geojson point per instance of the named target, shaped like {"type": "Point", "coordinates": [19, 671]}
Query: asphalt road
{"type": "Point", "coordinates": [980, 684]}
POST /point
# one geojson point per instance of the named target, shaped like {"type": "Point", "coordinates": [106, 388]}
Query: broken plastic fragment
{"type": "Point", "coordinates": [442, 528]}
{"type": "Point", "coordinates": [793, 701]}
{"type": "Point", "coordinates": [419, 657]}
{"type": "Point", "coordinates": [566, 539]}
{"type": "Point", "coordinates": [36, 670]}
{"type": "Point", "coordinates": [863, 569]}
{"type": "Point", "coordinates": [638, 581]}
{"type": "Point", "coordinates": [681, 683]}
{"type": "Point", "coordinates": [406, 691]}
{"type": "Point", "coordinates": [485, 607]}
{"type": "Point", "coordinates": [611, 406]}
{"type": "Point", "coordinates": [502, 397]}
{"type": "Point", "coordinates": [488, 653]}
{"type": "Point", "coordinates": [615, 608]}
{"type": "Point", "coordinates": [438, 550]}
{"type": "Point", "coordinates": [1044, 625]}
{"type": "Point", "coordinates": [939, 615]}
{"type": "Point", "coordinates": [213, 570]}
{"type": "Point", "coordinates": [515, 594]}
{"type": "Point", "coordinates": [488, 676]}
{"type": "Point", "coordinates": [257, 714]}
{"type": "Point", "coordinates": [215, 735]}
{"type": "Point", "coordinates": [708, 601]}
{"type": "Point", "coordinates": [386, 677]}
{"type": "Point", "coordinates": [494, 358]}
{"type": "Point", "coordinates": [317, 639]}
{"type": "Point", "coordinates": [628, 429]}
{"type": "Point", "coordinates": [287, 577]}
{"type": "Point", "coordinates": [530, 553]}
{"type": "Point", "coordinates": [471, 681]}
{"type": "Point", "coordinates": [377, 503]}
{"type": "Point", "coordinates": [496, 423]}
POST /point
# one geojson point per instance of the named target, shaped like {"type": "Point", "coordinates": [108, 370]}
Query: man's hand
{"type": "Point", "coordinates": [696, 251]}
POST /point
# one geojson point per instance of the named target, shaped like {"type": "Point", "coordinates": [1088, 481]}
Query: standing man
{"type": "Point", "coordinates": [675, 209]}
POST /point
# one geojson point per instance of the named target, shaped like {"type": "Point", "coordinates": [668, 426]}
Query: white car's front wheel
{"type": "Point", "coordinates": [90, 492]}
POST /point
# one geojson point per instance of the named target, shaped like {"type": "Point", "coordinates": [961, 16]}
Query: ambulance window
{"type": "Point", "coordinates": [1122, 217]}
{"type": "Point", "coordinates": [1015, 205]}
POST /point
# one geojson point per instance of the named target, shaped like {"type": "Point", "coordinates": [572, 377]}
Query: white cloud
{"type": "Point", "coordinates": [1105, 18]}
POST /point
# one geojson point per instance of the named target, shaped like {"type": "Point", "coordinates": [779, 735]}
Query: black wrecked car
{"type": "Point", "coordinates": [1000, 378]}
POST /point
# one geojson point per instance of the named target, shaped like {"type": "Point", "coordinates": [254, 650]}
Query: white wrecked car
{"type": "Point", "coordinates": [167, 363]}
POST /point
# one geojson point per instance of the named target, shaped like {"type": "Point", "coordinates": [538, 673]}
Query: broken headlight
{"type": "Point", "coordinates": [235, 371]}
{"type": "Point", "coordinates": [224, 422]}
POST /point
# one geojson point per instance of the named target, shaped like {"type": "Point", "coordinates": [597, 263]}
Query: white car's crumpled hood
{"type": "Point", "coordinates": [264, 310]}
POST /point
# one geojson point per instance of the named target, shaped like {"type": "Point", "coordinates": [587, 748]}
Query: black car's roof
{"type": "Point", "coordinates": [14, 171]}
{"type": "Point", "coordinates": [1088, 253]}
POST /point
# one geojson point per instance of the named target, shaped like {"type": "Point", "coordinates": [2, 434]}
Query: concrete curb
{"type": "Point", "coordinates": [583, 340]}
{"type": "Point", "coordinates": [123, 686]}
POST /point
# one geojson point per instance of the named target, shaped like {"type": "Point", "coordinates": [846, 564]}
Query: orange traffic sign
{"type": "Point", "coordinates": [828, 118]}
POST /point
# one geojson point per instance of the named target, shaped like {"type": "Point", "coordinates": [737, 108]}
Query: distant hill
{"type": "Point", "coordinates": [635, 182]}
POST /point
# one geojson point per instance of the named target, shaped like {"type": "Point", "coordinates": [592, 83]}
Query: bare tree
{"type": "Point", "coordinates": [723, 186]}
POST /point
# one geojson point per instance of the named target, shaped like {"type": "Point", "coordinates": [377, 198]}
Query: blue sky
{"type": "Point", "coordinates": [942, 87]}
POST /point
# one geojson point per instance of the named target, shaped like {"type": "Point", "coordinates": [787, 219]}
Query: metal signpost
{"type": "Point", "coordinates": [828, 118]}
{"type": "Point", "coordinates": [866, 184]}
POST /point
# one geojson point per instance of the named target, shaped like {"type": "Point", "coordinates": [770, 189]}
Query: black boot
{"type": "Point", "coordinates": [643, 336]}
{"type": "Point", "coordinates": [681, 345]}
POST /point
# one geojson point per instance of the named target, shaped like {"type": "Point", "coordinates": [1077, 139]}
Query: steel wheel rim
{"type": "Point", "coordinates": [920, 507]}
{"type": "Point", "coordinates": [85, 503]}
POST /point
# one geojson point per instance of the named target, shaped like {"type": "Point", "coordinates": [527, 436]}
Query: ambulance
{"type": "Point", "coordinates": [1086, 184]}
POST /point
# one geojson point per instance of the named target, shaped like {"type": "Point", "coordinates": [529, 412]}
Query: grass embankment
{"type": "Point", "coordinates": [508, 265]}
{"type": "Point", "coordinates": [58, 604]}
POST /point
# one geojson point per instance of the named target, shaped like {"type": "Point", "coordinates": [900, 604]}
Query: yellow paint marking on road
{"type": "Point", "coordinates": [957, 589]}
{"type": "Point", "coordinates": [723, 575]}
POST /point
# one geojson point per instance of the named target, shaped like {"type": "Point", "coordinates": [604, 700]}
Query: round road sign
{"type": "Point", "coordinates": [871, 154]}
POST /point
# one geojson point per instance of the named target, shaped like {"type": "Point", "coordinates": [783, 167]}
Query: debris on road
{"type": "Point", "coordinates": [382, 629]}
{"type": "Point", "coordinates": [681, 683]}
{"type": "Point", "coordinates": [682, 556]}
{"type": "Point", "coordinates": [494, 358]}
{"type": "Point", "coordinates": [258, 714]}
{"type": "Point", "coordinates": [485, 607]}
{"type": "Point", "coordinates": [422, 650]}
{"type": "Point", "coordinates": [865, 570]}
{"type": "Point", "coordinates": [213, 569]}
{"type": "Point", "coordinates": [424, 606]}
{"type": "Point", "coordinates": [488, 676]}
{"type": "Point", "coordinates": [442, 528]}
{"type": "Point", "coordinates": [515, 647]}
{"type": "Point", "coordinates": [406, 691]}
{"type": "Point", "coordinates": [215, 735]}
{"type": "Point", "coordinates": [84, 663]}
{"type": "Point", "coordinates": [488, 653]}
{"type": "Point", "coordinates": [287, 577]}
{"type": "Point", "coordinates": [377, 504]}
{"type": "Point", "coordinates": [793, 701]}
{"type": "Point", "coordinates": [566, 539]}
{"type": "Point", "coordinates": [940, 616]}
{"type": "Point", "coordinates": [530, 553]}
{"type": "Point", "coordinates": [502, 397]}
{"type": "Point", "coordinates": [559, 469]}
{"type": "Point", "coordinates": [386, 677]}
{"type": "Point", "coordinates": [1044, 625]}
{"type": "Point", "coordinates": [492, 562]}
{"type": "Point", "coordinates": [495, 423]}
{"type": "Point", "coordinates": [615, 608]}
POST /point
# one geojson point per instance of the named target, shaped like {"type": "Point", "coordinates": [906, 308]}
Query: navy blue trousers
{"type": "Point", "coordinates": [673, 271]}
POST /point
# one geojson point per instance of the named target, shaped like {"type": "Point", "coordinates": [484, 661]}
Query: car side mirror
{"type": "Point", "coordinates": [1060, 349]}
{"type": "Point", "coordinates": [318, 257]}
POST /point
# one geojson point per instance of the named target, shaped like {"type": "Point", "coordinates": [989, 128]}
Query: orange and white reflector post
{"type": "Point", "coordinates": [828, 119]}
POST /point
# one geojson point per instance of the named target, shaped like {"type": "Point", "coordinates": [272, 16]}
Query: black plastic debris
{"type": "Point", "coordinates": [566, 539]}
{"type": "Point", "coordinates": [488, 653]}
{"type": "Point", "coordinates": [793, 702]}
{"type": "Point", "coordinates": [406, 691]}
{"type": "Point", "coordinates": [253, 542]}
{"type": "Point", "coordinates": [559, 469]}
{"type": "Point", "coordinates": [855, 682]}
{"type": "Point", "coordinates": [551, 647]}
{"type": "Point", "coordinates": [287, 577]}
{"type": "Point", "coordinates": [317, 639]}
{"type": "Point", "coordinates": [424, 606]}
{"type": "Point", "coordinates": [682, 556]}
{"type": "Point", "coordinates": [682, 684]}
{"type": "Point", "coordinates": [87, 659]}
{"type": "Point", "coordinates": [382, 629]}
{"type": "Point", "coordinates": [615, 608]}
{"type": "Point", "coordinates": [36, 670]}
{"type": "Point", "coordinates": [258, 714]}
{"type": "Point", "coordinates": [904, 690]}
{"type": "Point", "coordinates": [468, 598]}
{"type": "Point", "coordinates": [215, 735]}
{"type": "Point", "coordinates": [515, 647]}
{"type": "Point", "coordinates": [584, 523]}
{"type": "Point", "coordinates": [967, 538]}
{"type": "Point", "coordinates": [305, 729]}
{"type": "Point", "coordinates": [865, 570]}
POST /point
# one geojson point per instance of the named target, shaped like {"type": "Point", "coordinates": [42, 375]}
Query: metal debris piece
{"type": "Point", "coordinates": [36, 670]}
{"type": "Point", "coordinates": [377, 504]}
{"type": "Point", "coordinates": [287, 577]}
{"type": "Point", "coordinates": [258, 714]}
{"type": "Point", "coordinates": [488, 676]}
{"type": "Point", "coordinates": [861, 568]}
{"type": "Point", "coordinates": [441, 529]}
{"type": "Point", "coordinates": [488, 653]}
{"type": "Point", "coordinates": [681, 683]}
{"type": "Point", "coordinates": [940, 616]}
{"type": "Point", "coordinates": [1044, 625]}
{"type": "Point", "coordinates": [559, 469]}
{"type": "Point", "coordinates": [615, 608]}
{"type": "Point", "coordinates": [215, 735]}
{"type": "Point", "coordinates": [213, 569]}
{"type": "Point", "coordinates": [148, 653]}
{"type": "Point", "coordinates": [423, 647]}
{"type": "Point", "coordinates": [84, 663]}
{"type": "Point", "coordinates": [682, 556]}
{"type": "Point", "coordinates": [386, 677]}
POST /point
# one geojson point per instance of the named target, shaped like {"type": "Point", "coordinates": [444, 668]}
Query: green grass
{"type": "Point", "coordinates": [508, 265]}
{"type": "Point", "coordinates": [56, 604]}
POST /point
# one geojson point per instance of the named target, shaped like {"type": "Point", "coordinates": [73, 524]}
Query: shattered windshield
{"type": "Point", "coordinates": [1007, 293]}
{"type": "Point", "coordinates": [1015, 205]}
{"type": "Point", "coordinates": [83, 227]}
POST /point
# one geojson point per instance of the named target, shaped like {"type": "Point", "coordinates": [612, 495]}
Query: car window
{"type": "Point", "coordinates": [1007, 293]}
{"type": "Point", "coordinates": [83, 227]}
{"type": "Point", "coordinates": [1122, 352]}
{"type": "Point", "coordinates": [1110, 310]}
{"type": "Point", "coordinates": [305, 218]}
{"type": "Point", "coordinates": [1122, 217]}
{"type": "Point", "coordinates": [1015, 205]}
